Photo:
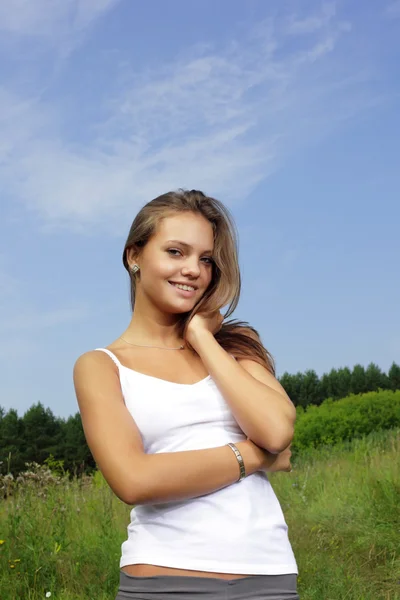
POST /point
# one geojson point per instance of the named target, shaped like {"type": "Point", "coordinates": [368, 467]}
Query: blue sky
{"type": "Point", "coordinates": [286, 111]}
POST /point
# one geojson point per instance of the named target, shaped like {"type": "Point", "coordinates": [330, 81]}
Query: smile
{"type": "Point", "coordinates": [184, 287]}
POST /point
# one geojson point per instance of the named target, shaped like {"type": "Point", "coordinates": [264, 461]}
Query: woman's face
{"type": "Point", "coordinates": [176, 263]}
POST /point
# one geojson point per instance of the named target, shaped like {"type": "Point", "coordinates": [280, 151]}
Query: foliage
{"type": "Point", "coordinates": [63, 535]}
{"type": "Point", "coordinates": [345, 419]}
{"type": "Point", "coordinates": [41, 437]}
{"type": "Point", "coordinates": [307, 388]}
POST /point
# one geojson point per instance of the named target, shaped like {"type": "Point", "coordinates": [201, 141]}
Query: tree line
{"type": "Point", "coordinates": [39, 434]}
{"type": "Point", "coordinates": [307, 388]}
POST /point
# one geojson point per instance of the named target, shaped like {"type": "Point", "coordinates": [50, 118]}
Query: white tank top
{"type": "Point", "coordinates": [239, 529]}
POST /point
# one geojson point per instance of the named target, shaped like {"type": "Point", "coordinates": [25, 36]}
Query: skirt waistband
{"type": "Point", "coordinates": [178, 587]}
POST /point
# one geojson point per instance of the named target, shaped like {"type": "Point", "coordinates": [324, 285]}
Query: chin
{"type": "Point", "coordinates": [176, 308]}
{"type": "Point", "coordinates": [180, 310]}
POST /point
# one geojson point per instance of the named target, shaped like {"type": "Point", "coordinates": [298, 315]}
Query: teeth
{"type": "Point", "coordinates": [188, 288]}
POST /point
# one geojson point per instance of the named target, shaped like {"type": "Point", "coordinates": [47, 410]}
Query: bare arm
{"type": "Point", "coordinates": [116, 444]}
{"type": "Point", "coordinates": [257, 400]}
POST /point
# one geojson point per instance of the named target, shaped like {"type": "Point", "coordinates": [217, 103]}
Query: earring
{"type": "Point", "coordinates": [135, 269]}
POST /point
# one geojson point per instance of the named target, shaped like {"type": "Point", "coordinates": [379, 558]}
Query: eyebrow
{"type": "Point", "coordinates": [185, 245]}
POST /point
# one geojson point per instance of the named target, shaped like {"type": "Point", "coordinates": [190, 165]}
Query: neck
{"type": "Point", "coordinates": [148, 327]}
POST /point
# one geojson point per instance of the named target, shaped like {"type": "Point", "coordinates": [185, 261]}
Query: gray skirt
{"type": "Point", "coordinates": [182, 587]}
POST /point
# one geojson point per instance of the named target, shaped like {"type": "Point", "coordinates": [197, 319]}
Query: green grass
{"type": "Point", "coordinates": [342, 505]}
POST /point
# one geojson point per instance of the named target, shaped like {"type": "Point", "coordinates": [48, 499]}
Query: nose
{"type": "Point", "coordinates": [191, 268]}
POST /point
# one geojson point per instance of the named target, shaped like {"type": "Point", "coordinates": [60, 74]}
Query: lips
{"type": "Point", "coordinates": [181, 293]}
{"type": "Point", "coordinates": [177, 283]}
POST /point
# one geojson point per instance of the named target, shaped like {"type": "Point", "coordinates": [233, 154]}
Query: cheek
{"type": "Point", "coordinates": [167, 267]}
{"type": "Point", "coordinates": [161, 271]}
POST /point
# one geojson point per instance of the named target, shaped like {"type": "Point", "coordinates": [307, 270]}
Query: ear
{"type": "Point", "coordinates": [132, 256]}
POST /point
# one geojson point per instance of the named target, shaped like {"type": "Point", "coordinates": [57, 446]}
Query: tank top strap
{"type": "Point", "coordinates": [111, 355]}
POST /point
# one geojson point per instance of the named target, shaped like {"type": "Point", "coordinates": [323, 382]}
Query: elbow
{"type": "Point", "coordinates": [277, 448]}
{"type": "Point", "coordinates": [139, 489]}
{"type": "Point", "coordinates": [131, 496]}
{"type": "Point", "coordinates": [279, 441]}
{"type": "Point", "coordinates": [135, 493]}
{"type": "Point", "coordinates": [127, 499]}
{"type": "Point", "coordinates": [127, 493]}
{"type": "Point", "coordinates": [131, 492]}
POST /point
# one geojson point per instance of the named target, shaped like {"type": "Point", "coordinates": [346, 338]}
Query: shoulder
{"type": "Point", "coordinates": [92, 360]}
{"type": "Point", "coordinates": [95, 378]}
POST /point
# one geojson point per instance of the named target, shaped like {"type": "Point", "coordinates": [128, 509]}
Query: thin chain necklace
{"type": "Point", "coordinates": [159, 347]}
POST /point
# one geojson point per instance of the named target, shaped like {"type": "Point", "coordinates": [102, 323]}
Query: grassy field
{"type": "Point", "coordinates": [342, 506]}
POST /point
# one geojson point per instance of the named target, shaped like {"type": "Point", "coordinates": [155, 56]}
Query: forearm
{"type": "Point", "coordinates": [173, 476]}
{"type": "Point", "coordinates": [264, 414]}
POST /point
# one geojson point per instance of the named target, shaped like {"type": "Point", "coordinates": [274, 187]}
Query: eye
{"type": "Point", "coordinates": [207, 260]}
{"type": "Point", "coordinates": [174, 252]}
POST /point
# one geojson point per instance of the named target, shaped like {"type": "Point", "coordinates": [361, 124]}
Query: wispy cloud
{"type": "Point", "coordinates": [219, 118]}
{"type": "Point", "coordinates": [310, 24]}
{"type": "Point", "coordinates": [392, 10]}
{"type": "Point", "coordinates": [50, 19]}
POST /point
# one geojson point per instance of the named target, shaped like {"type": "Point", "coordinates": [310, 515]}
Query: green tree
{"type": "Point", "coordinates": [11, 442]}
{"type": "Point", "coordinates": [325, 386]}
{"type": "Point", "coordinates": [75, 451]}
{"type": "Point", "coordinates": [288, 384]}
{"type": "Point", "coordinates": [394, 376]}
{"type": "Point", "coordinates": [42, 434]}
{"type": "Point", "coordinates": [375, 379]}
{"type": "Point", "coordinates": [292, 386]}
{"type": "Point", "coordinates": [310, 391]}
{"type": "Point", "coordinates": [343, 382]}
{"type": "Point", "coordinates": [358, 380]}
{"type": "Point", "coordinates": [333, 384]}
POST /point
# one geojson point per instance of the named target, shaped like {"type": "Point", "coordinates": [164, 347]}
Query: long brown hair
{"type": "Point", "coordinates": [236, 337]}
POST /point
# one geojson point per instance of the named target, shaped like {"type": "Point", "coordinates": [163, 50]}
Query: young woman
{"type": "Point", "coordinates": [184, 417]}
